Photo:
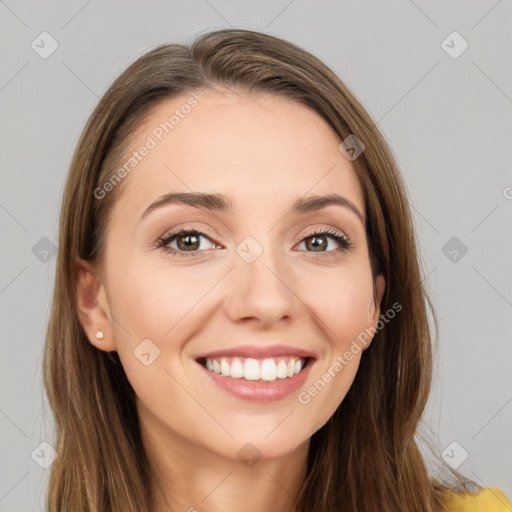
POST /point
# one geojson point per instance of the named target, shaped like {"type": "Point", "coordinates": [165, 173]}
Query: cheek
{"type": "Point", "coordinates": [155, 314]}
{"type": "Point", "coordinates": [157, 310]}
{"type": "Point", "coordinates": [152, 302]}
{"type": "Point", "coordinates": [342, 302]}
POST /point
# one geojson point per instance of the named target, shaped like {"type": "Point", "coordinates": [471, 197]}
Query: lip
{"type": "Point", "coordinates": [258, 352]}
{"type": "Point", "coordinates": [257, 391]}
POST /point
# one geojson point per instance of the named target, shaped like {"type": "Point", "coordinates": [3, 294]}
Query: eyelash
{"type": "Point", "coordinates": [343, 241]}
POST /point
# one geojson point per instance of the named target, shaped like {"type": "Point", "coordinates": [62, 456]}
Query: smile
{"type": "Point", "coordinates": [253, 369]}
{"type": "Point", "coordinates": [256, 372]}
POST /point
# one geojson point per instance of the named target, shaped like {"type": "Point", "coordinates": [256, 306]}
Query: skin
{"type": "Point", "coordinates": [263, 151]}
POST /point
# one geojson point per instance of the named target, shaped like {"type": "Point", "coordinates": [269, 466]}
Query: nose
{"type": "Point", "coordinates": [261, 291]}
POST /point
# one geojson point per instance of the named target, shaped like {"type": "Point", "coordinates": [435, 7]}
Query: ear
{"type": "Point", "coordinates": [92, 307]}
{"type": "Point", "coordinates": [380, 285]}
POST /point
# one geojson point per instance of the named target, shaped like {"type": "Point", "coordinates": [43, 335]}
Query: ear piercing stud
{"type": "Point", "coordinates": [99, 335]}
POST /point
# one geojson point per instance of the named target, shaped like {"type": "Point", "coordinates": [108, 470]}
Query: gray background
{"type": "Point", "coordinates": [448, 121]}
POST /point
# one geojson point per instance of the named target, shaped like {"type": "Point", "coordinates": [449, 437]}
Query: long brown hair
{"type": "Point", "coordinates": [366, 457]}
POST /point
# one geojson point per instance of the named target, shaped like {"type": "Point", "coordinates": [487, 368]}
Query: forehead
{"type": "Point", "coordinates": [254, 148]}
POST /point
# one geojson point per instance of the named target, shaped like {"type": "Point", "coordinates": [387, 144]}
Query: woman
{"type": "Point", "coordinates": [239, 320]}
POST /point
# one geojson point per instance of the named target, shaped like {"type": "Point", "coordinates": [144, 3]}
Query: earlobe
{"type": "Point", "coordinates": [92, 307]}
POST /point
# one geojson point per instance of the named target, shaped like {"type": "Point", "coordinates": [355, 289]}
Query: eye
{"type": "Point", "coordinates": [317, 241]}
{"type": "Point", "coordinates": [188, 242]}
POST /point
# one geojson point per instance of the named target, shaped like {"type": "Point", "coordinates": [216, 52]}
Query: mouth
{"type": "Point", "coordinates": [253, 369]}
{"type": "Point", "coordinates": [257, 373]}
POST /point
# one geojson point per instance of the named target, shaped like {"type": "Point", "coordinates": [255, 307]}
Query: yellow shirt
{"type": "Point", "coordinates": [489, 499]}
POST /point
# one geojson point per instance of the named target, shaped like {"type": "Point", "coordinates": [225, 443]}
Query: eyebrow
{"type": "Point", "coordinates": [222, 203]}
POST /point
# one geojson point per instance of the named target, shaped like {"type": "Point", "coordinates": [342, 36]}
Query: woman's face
{"type": "Point", "coordinates": [250, 291]}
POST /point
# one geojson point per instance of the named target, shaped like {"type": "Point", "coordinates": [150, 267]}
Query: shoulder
{"type": "Point", "coordinates": [489, 499]}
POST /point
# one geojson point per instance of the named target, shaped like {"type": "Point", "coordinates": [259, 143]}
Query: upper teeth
{"type": "Point", "coordinates": [256, 369]}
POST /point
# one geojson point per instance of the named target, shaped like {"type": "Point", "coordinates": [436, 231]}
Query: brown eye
{"type": "Point", "coordinates": [188, 242]}
{"type": "Point", "coordinates": [316, 243]}
{"type": "Point", "coordinates": [319, 242]}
